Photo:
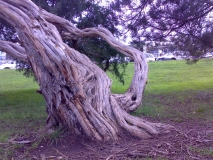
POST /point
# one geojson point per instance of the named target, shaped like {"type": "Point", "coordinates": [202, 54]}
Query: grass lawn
{"type": "Point", "coordinates": [182, 91]}
{"type": "Point", "coordinates": [171, 76]}
{"type": "Point", "coordinates": [175, 91]}
{"type": "Point", "coordinates": [21, 108]}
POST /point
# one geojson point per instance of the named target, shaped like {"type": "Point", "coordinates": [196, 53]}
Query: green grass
{"type": "Point", "coordinates": [175, 91]}
{"type": "Point", "coordinates": [172, 76]}
{"type": "Point", "coordinates": [180, 91]}
{"type": "Point", "coordinates": [202, 151]}
{"type": "Point", "coordinates": [118, 87]}
{"type": "Point", "coordinates": [21, 108]}
{"type": "Point", "coordinates": [11, 80]}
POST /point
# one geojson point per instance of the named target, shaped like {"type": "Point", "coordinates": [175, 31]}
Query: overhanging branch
{"type": "Point", "coordinates": [140, 65]}
{"type": "Point", "coordinates": [14, 50]}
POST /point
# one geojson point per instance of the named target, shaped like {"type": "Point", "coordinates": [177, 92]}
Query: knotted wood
{"type": "Point", "coordinates": [77, 92]}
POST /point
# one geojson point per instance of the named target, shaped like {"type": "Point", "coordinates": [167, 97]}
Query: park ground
{"type": "Point", "coordinates": [177, 94]}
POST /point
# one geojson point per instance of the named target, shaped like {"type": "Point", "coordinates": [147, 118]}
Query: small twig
{"type": "Point", "coordinates": [138, 155]}
{"type": "Point", "coordinates": [160, 151]}
{"type": "Point", "coordinates": [88, 147]}
{"type": "Point", "coordinates": [168, 144]}
{"type": "Point", "coordinates": [180, 133]}
{"type": "Point", "coordinates": [50, 157]}
{"type": "Point", "coordinates": [116, 153]}
{"type": "Point", "coordinates": [35, 158]}
{"type": "Point", "coordinates": [43, 157]}
{"type": "Point", "coordinates": [60, 153]}
{"type": "Point", "coordinates": [21, 142]}
{"type": "Point", "coordinates": [4, 143]}
{"type": "Point", "coordinates": [13, 141]}
{"type": "Point", "coordinates": [189, 131]}
{"type": "Point", "coordinates": [191, 154]}
{"type": "Point", "coordinates": [204, 141]}
{"type": "Point", "coordinates": [209, 132]}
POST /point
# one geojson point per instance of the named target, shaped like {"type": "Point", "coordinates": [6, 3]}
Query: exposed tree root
{"type": "Point", "coordinates": [77, 92]}
{"type": "Point", "coordinates": [137, 126]}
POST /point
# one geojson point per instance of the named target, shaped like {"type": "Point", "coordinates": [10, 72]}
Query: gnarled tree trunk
{"type": "Point", "coordinates": [77, 92]}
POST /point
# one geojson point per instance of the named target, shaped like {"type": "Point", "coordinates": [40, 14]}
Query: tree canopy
{"type": "Point", "coordinates": [83, 14]}
{"type": "Point", "coordinates": [77, 92]}
{"type": "Point", "coordinates": [188, 20]}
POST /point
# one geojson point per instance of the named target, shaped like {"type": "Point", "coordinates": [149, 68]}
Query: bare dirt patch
{"type": "Point", "coordinates": [192, 140]}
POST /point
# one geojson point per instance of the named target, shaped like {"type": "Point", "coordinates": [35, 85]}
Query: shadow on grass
{"type": "Point", "coordinates": [179, 106]}
{"type": "Point", "coordinates": [21, 112]}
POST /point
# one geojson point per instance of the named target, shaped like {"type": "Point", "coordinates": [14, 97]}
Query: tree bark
{"type": "Point", "coordinates": [77, 92]}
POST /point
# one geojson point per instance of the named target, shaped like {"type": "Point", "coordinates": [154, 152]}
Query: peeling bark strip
{"type": "Point", "coordinates": [77, 92]}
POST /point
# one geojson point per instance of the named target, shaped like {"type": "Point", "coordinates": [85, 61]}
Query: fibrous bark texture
{"type": "Point", "coordinates": [77, 92]}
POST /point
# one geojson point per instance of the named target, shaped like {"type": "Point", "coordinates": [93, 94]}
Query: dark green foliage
{"type": "Point", "coordinates": [189, 20]}
{"type": "Point", "coordinates": [7, 32]}
{"type": "Point", "coordinates": [25, 68]}
{"type": "Point", "coordinates": [114, 69]}
{"type": "Point", "coordinates": [96, 49]}
{"type": "Point", "coordinates": [99, 16]}
{"type": "Point", "coordinates": [84, 14]}
{"type": "Point", "coordinates": [137, 44]}
{"type": "Point", "coordinates": [68, 9]}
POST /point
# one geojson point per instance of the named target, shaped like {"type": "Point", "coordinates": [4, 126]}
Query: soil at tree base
{"type": "Point", "coordinates": [192, 140]}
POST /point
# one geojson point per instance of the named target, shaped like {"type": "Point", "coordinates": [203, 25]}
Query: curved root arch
{"type": "Point", "coordinates": [133, 97]}
{"type": "Point", "coordinates": [77, 92]}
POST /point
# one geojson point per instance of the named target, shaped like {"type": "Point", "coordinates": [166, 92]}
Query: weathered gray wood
{"type": "Point", "coordinates": [77, 92]}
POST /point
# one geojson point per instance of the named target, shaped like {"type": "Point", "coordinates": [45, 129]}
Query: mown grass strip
{"type": "Point", "coordinates": [22, 110]}
{"type": "Point", "coordinates": [175, 90]}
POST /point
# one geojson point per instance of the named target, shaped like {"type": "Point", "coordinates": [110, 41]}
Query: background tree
{"type": "Point", "coordinates": [190, 20]}
{"type": "Point", "coordinates": [77, 91]}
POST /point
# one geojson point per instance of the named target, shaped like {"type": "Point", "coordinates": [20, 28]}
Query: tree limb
{"type": "Point", "coordinates": [133, 95]}
{"type": "Point", "coordinates": [14, 50]}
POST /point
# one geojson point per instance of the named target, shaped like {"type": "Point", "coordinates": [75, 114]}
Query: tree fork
{"type": "Point", "coordinates": [77, 92]}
